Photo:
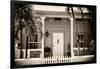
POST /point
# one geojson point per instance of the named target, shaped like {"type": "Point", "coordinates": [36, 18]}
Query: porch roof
{"type": "Point", "coordinates": [57, 8]}
{"type": "Point", "coordinates": [46, 10]}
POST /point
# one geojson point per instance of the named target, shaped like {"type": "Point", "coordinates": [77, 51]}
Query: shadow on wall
{"type": "Point", "coordinates": [69, 50]}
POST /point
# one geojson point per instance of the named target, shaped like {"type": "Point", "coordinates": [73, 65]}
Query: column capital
{"type": "Point", "coordinates": [71, 18]}
{"type": "Point", "coordinates": [43, 17]}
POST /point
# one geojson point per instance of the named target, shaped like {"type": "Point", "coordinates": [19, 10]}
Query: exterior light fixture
{"type": "Point", "coordinates": [47, 34]}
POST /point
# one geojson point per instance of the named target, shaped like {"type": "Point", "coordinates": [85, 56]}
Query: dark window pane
{"type": "Point", "coordinates": [33, 45]}
{"type": "Point", "coordinates": [34, 54]}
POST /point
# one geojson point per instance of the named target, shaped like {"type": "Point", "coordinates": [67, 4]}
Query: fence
{"type": "Point", "coordinates": [56, 59]}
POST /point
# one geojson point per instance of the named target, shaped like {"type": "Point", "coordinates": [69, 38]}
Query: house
{"type": "Point", "coordinates": [65, 37]}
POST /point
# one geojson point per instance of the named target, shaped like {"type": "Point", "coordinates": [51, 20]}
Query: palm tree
{"type": "Point", "coordinates": [24, 18]}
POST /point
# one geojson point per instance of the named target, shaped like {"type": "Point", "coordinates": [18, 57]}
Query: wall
{"type": "Point", "coordinates": [54, 26]}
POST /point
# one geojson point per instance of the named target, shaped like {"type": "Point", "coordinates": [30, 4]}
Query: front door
{"type": "Point", "coordinates": [58, 44]}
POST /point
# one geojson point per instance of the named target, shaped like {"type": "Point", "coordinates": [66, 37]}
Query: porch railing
{"type": "Point", "coordinates": [56, 59]}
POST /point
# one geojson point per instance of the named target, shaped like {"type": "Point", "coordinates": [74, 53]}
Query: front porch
{"type": "Point", "coordinates": [54, 60]}
{"type": "Point", "coordinates": [61, 41]}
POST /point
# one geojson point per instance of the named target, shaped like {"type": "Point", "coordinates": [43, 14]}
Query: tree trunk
{"type": "Point", "coordinates": [26, 46]}
{"type": "Point", "coordinates": [21, 44]}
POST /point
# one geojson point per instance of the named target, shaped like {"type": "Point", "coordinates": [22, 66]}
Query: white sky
{"type": "Point", "coordinates": [90, 2]}
{"type": "Point", "coordinates": [5, 34]}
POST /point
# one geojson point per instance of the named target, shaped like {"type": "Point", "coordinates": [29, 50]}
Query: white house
{"type": "Point", "coordinates": [64, 39]}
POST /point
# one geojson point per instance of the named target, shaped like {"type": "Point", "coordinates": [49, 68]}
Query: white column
{"type": "Point", "coordinates": [72, 21]}
{"type": "Point", "coordinates": [43, 32]}
{"type": "Point", "coordinates": [28, 53]}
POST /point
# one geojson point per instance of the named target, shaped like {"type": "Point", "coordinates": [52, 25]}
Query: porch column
{"type": "Point", "coordinates": [72, 21]}
{"type": "Point", "coordinates": [43, 32]}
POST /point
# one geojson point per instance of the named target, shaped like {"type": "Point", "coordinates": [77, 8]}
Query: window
{"type": "Point", "coordinates": [35, 43]}
{"type": "Point", "coordinates": [79, 48]}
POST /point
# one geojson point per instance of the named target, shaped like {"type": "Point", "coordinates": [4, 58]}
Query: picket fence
{"type": "Point", "coordinates": [56, 59]}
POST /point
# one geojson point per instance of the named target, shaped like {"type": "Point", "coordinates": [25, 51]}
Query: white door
{"type": "Point", "coordinates": [58, 44]}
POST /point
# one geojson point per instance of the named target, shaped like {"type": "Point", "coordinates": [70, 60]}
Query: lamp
{"type": "Point", "coordinates": [47, 34]}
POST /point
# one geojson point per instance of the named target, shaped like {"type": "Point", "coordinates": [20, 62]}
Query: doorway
{"type": "Point", "coordinates": [58, 44]}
